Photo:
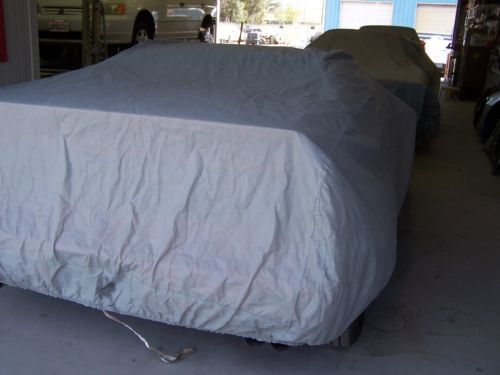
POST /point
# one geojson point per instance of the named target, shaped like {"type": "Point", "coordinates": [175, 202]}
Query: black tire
{"type": "Point", "coordinates": [489, 123]}
{"type": "Point", "coordinates": [143, 29]}
{"type": "Point", "coordinates": [207, 30]}
{"type": "Point", "coordinates": [253, 343]}
{"type": "Point", "coordinates": [492, 149]}
{"type": "Point", "coordinates": [496, 163]}
{"type": "Point", "coordinates": [351, 334]}
{"type": "Point", "coordinates": [51, 52]}
{"type": "Point", "coordinates": [280, 347]}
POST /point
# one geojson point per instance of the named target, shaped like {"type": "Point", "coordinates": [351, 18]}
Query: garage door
{"type": "Point", "coordinates": [435, 19]}
{"type": "Point", "coordinates": [354, 14]}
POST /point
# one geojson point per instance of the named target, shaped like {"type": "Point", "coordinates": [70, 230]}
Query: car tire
{"type": "Point", "coordinates": [51, 52]}
{"type": "Point", "coordinates": [280, 347]}
{"type": "Point", "coordinates": [253, 343]}
{"type": "Point", "coordinates": [492, 149]}
{"type": "Point", "coordinates": [143, 31]}
{"type": "Point", "coordinates": [350, 335]}
{"type": "Point", "coordinates": [481, 103]}
{"type": "Point", "coordinates": [207, 30]}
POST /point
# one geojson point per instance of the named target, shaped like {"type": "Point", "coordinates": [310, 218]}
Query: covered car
{"type": "Point", "coordinates": [399, 64]}
{"type": "Point", "coordinates": [209, 191]}
{"type": "Point", "coordinates": [406, 32]}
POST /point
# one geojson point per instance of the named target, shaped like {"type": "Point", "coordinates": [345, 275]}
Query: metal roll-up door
{"type": "Point", "coordinates": [354, 14]}
{"type": "Point", "coordinates": [435, 19]}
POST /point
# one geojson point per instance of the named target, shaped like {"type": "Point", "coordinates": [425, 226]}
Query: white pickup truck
{"type": "Point", "coordinates": [129, 21]}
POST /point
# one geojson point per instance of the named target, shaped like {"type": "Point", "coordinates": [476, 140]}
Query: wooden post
{"type": "Point", "coordinates": [241, 32]}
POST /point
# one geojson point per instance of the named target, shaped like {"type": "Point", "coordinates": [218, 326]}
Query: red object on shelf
{"type": "Point", "coordinates": [3, 43]}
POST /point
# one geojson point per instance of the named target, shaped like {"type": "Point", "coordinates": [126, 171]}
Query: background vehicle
{"type": "Point", "coordinates": [128, 21]}
{"type": "Point", "coordinates": [252, 36]}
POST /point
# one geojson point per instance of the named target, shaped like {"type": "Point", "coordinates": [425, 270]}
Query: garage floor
{"type": "Point", "coordinates": [440, 314]}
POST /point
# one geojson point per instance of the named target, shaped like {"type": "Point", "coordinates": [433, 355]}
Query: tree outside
{"type": "Point", "coordinates": [256, 10]}
{"type": "Point", "coordinates": [233, 11]}
{"type": "Point", "coordinates": [280, 11]}
{"type": "Point", "coordinates": [248, 11]}
{"type": "Point", "coordinates": [283, 22]}
{"type": "Point", "coordinates": [286, 14]}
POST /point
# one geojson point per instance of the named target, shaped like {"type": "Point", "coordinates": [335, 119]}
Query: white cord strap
{"type": "Point", "coordinates": [184, 353]}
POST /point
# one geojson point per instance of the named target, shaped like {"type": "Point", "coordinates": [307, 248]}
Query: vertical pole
{"type": "Point", "coordinates": [241, 32]}
{"type": "Point", "coordinates": [217, 22]}
{"type": "Point", "coordinates": [86, 32]}
{"type": "Point", "coordinates": [3, 37]}
{"type": "Point", "coordinates": [94, 47]}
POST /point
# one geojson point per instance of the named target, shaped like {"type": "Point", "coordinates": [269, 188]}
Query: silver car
{"type": "Point", "coordinates": [129, 21]}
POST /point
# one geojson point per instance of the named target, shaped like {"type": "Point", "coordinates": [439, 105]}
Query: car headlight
{"type": "Point", "coordinates": [115, 9]}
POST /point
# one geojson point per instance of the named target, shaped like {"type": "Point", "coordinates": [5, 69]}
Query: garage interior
{"type": "Point", "coordinates": [439, 314]}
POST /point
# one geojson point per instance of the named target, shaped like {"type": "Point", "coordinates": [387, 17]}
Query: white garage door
{"type": "Point", "coordinates": [435, 19]}
{"type": "Point", "coordinates": [354, 14]}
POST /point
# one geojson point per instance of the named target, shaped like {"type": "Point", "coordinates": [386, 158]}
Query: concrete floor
{"type": "Point", "coordinates": [440, 314]}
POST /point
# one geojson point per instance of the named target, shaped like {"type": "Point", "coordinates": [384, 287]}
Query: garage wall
{"type": "Point", "coordinates": [20, 22]}
{"type": "Point", "coordinates": [404, 11]}
{"type": "Point", "coordinates": [354, 13]}
{"type": "Point", "coordinates": [435, 19]}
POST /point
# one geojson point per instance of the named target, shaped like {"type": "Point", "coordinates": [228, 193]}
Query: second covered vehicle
{"type": "Point", "coordinates": [397, 62]}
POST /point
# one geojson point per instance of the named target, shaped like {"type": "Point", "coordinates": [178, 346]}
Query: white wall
{"type": "Point", "coordinates": [21, 29]}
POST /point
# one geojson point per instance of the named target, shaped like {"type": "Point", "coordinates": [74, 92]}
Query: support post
{"type": "Point", "coordinates": [94, 48]}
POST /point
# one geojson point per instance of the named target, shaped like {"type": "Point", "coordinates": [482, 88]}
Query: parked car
{"type": "Point", "coordinates": [487, 123]}
{"type": "Point", "coordinates": [487, 113]}
{"type": "Point", "coordinates": [128, 21]}
{"type": "Point", "coordinates": [252, 36]}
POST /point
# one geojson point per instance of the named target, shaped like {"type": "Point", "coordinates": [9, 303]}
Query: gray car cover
{"type": "Point", "coordinates": [400, 65]}
{"type": "Point", "coordinates": [248, 191]}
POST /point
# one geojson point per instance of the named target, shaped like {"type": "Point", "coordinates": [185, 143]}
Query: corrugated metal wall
{"type": "Point", "coordinates": [21, 30]}
{"type": "Point", "coordinates": [404, 11]}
